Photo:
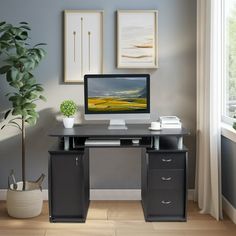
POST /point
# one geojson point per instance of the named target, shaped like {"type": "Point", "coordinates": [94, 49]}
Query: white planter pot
{"type": "Point", "coordinates": [24, 204]}
{"type": "Point", "coordinates": [68, 122]}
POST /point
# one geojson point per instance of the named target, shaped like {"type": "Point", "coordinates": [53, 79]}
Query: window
{"type": "Point", "coordinates": [229, 62]}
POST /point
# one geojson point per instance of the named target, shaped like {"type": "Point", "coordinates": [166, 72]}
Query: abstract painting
{"type": "Point", "coordinates": [83, 44]}
{"type": "Point", "coordinates": [137, 39]}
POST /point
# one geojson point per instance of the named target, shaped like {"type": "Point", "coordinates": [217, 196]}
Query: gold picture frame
{"type": "Point", "coordinates": [83, 44]}
{"type": "Point", "coordinates": [137, 39]}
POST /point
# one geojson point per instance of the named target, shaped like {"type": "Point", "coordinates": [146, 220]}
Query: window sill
{"type": "Point", "coordinates": [228, 132]}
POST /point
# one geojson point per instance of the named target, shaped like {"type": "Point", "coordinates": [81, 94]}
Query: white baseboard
{"type": "Point", "coordinates": [229, 209]}
{"type": "Point", "coordinates": [106, 194]}
{"type": "Point", "coordinates": [191, 194]}
{"type": "Point", "coordinates": [115, 194]}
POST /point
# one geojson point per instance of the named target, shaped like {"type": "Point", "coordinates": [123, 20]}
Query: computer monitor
{"type": "Point", "coordinates": [117, 97]}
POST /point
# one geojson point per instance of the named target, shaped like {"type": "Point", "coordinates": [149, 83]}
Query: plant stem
{"type": "Point", "coordinates": [23, 151]}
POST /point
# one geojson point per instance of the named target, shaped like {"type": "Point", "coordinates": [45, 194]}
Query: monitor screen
{"type": "Point", "coordinates": [105, 94]}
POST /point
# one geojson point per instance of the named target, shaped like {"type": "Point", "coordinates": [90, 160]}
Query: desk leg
{"type": "Point", "coordinates": [180, 142]}
{"type": "Point", "coordinates": [156, 141]}
{"type": "Point", "coordinates": [66, 143]}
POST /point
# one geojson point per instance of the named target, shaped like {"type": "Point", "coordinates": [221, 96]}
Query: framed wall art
{"type": "Point", "coordinates": [137, 32]}
{"type": "Point", "coordinates": [83, 44]}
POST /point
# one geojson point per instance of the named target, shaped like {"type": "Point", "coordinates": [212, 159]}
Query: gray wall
{"type": "Point", "coordinates": [229, 170]}
{"type": "Point", "coordinates": [173, 85]}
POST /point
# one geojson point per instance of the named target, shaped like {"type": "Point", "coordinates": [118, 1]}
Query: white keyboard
{"type": "Point", "coordinates": [102, 142]}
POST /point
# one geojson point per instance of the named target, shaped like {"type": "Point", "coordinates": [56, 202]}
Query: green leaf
{"type": "Point", "coordinates": [33, 113]}
{"type": "Point", "coordinates": [24, 113]}
{"type": "Point", "coordinates": [17, 100]}
{"type": "Point", "coordinates": [29, 105]}
{"type": "Point", "coordinates": [8, 76]}
{"type": "Point", "coordinates": [20, 50]}
{"type": "Point", "coordinates": [27, 77]}
{"type": "Point", "coordinates": [6, 36]}
{"type": "Point", "coordinates": [42, 52]}
{"type": "Point", "coordinates": [42, 98]}
{"type": "Point", "coordinates": [24, 35]}
{"type": "Point", "coordinates": [11, 59]}
{"type": "Point", "coordinates": [39, 88]}
{"type": "Point", "coordinates": [25, 88]}
{"type": "Point", "coordinates": [25, 27]}
{"type": "Point", "coordinates": [5, 45]}
{"type": "Point", "coordinates": [5, 69]}
{"type": "Point", "coordinates": [31, 96]}
{"type": "Point", "coordinates": [16, 111]}
{"type": "Point", "coordinates": [14, 31]}
{"type": "Point", "coordinates": [7, 114]}
{"type": "Point", "coordinates": [31, 120]}
{"type": "Point", "coordinates": [5, 27]}
{"type": "Point", "coordinates": [2, 23]}
{"type": "Point", "coordinates": [13, 84]}
{"type": "Point", "coordinates": [40, 44]}
{"type": "Point", "coordinates": [35, 85]}
{"type": "Point", "coordinates": [16, 84]}
{"type": "Point", "coordinates": [12, 75]}
{"type": "Point", "coordinates": [24, 23]}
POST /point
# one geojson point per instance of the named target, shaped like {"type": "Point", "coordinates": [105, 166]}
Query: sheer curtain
{"type": "Point", "coordinates": [209, 74]}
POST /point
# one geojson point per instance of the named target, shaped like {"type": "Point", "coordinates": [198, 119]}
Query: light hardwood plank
{"type": "Point", "coordinates": [116, 218]}
{"type": "Point", "coordinates": [10, 232]}
{"type": "Point", "coordinates": [118, 211]}
{"type": "Point", "coordinates": [97, 211]}
{"type": "Point", "coordinates": [148, 233]}
{"type": "Point", "coordinates": [190, 225]}
{"type": "Point", "coordinates": [52, 232]}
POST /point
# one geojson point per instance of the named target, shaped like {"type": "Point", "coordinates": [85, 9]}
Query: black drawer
{"type": "Point", "coordinates": [166, 179]}
{"type": "Point", "coordinates": [166, 160]}
{"type": "Point", "coordinates": [166, 203]}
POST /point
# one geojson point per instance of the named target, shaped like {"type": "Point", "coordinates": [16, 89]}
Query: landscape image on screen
{"type": "Point", "coordinates": [117, 94]}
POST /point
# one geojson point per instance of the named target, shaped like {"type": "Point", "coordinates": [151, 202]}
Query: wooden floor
{"type": "Point", "coordinates": [116, 218]}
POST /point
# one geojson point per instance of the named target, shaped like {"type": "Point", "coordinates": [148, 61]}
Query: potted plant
{"type": "Point", "coordinates": [68, 108]}
{"type": "Point", "coordinates": [24, 198]}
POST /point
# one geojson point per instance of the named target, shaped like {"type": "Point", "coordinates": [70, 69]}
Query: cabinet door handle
{"type": "Point", "coordinates": [166, 160]}
{"type": "Point", "coordinates": [166, 178]}
{"type": "Point", "coordinates": [165, 202]}
{"type": "Point", "coordinates": [77, 161]}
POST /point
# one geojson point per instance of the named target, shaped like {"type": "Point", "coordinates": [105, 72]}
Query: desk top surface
{"type": "Point", "coordinates": [101, 130]}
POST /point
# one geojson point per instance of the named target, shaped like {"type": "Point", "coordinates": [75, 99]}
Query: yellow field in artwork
{"type": "Point", "coordinates": [116, 104]}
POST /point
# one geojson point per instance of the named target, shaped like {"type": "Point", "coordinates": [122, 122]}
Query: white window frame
{"type": "Point", "coordinates": [224, 118]}
{"type": "Point", "coordinates": [226, 125]}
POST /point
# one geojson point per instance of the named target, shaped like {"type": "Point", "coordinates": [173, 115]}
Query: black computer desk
{"type": "Point", "coordinates": [163, 170]}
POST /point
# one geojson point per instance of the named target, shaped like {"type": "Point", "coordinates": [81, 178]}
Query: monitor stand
{"type": "Point", "coordinates": [117, 124]}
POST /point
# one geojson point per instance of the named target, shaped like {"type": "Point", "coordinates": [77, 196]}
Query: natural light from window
{"type": "Point", "coordinates": [229, 88]}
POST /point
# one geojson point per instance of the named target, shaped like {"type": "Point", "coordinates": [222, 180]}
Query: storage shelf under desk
{"type": "Point", "coordinates": [144, 142]}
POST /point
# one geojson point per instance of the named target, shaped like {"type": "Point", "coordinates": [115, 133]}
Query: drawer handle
{"type": "Point", "coordinates": [76, 161]}
{"type": "Point", "coordinates": [166, 160]}
{"type": "Point", "coordinates": [166, 179]}
{"type": "Point", "coordinates": [165, 202]}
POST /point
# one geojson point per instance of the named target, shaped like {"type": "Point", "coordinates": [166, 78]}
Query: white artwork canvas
{"type": "Point", "coordinates": [83, 44]}
{"type": "Point", "coordinates": [137, 39]}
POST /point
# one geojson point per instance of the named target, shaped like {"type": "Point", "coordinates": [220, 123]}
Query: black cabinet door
{"type": "Point", "coordinates": [67, 185]}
